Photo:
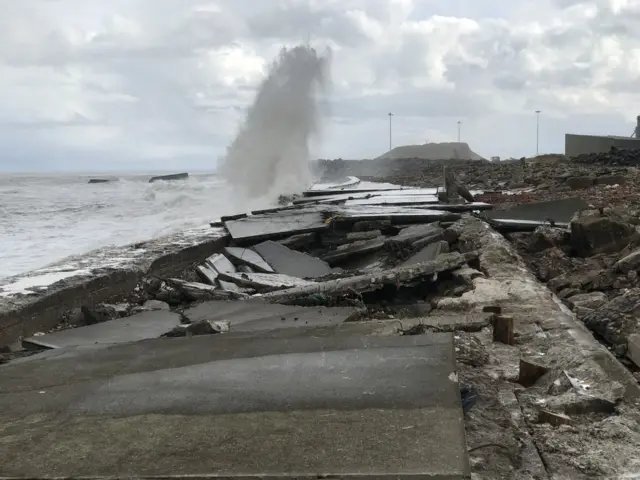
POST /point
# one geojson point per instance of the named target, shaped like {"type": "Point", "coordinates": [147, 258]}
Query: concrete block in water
{"type": "Point", "coordinates": [173, 176]}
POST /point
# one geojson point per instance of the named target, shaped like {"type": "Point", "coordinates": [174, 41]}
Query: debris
{"type": "Point", "coordinates": [633, 348]}
{"type": "Point", "coordinates": [468, 395]}
{"type": "Point", "coordinates": [245, 256]}
{"type": "Point", "coordinates": [201, 327]}
{"type": "Point", "coordinates": [98, 313]}
{"type": "Point", "coordinates": [590, 300]}
{"type": "Point", "coordinates": [595, 234]}
{"type": "Point", "coordinates": [155, 305]}
{"type": "Point", "coordinates": [299, 242]}
{"type": "Point", "coordinates": [503, 329]}
{"type": "Point", "coordinates": [367, 283]}
{"type": "Point", "coordinates": [428, 253]}
{"type": "Point", "coordinates": [616, 320]}
{"type": "Point", "coordinates": [553, 418]}
{"type": "Point", "coordinates": [265, 282]}
{"type": "Point", "coordinates": [497, 309]}
{"type": "Point", "coordinates": [353, 250]}
{"type": "Point", "coordinates": [290, 262]}
{"type": "Point", "coordinates": [193, 291]}
{"type": "Point", "coordinates": [530, 372]}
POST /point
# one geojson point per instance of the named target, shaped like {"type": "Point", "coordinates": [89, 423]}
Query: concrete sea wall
{"type": "Point", "coordinates": [36, 301]}
{"type": "Point", "coordinates": [575, 145]}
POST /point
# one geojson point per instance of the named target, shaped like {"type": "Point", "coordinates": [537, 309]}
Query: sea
{"type": "Point", "coordinates": [46, 218]}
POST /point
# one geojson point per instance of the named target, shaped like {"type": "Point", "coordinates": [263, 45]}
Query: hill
{"type": "Point", "coordinates": [433, 151]}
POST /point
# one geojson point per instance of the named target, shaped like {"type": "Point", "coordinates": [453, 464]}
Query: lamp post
{"type": "Point", "coordinates": [459, 123]}
{"type": "Point", "coordinates": [390, 116]}
{"type": "Point", "coordinates": [537, 132]}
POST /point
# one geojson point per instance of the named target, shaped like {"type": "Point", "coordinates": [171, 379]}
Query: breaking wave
{"type": "Point", "coordinates": [270, 154]}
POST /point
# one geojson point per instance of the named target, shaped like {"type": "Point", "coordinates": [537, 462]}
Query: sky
{"type": "Point", "coordinates": [164, 84]}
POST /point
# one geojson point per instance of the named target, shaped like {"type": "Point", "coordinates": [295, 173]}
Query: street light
{"type": "Point", "coordinates": [537, 132]}
{"type": "Point", "coordinates": [390, 115]}
{"type": "Point", "coordinates": [459, 123]}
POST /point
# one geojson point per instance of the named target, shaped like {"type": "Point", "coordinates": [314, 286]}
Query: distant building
{"type": "Point", "coordinates": [495, 159]}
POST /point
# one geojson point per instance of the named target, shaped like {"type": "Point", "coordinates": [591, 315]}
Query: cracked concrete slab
{"type": "Point", "coordinates": [346, 406]}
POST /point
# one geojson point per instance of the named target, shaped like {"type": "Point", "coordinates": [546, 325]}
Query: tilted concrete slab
{"type": "Point", "coordinates": [290, 262]}
{"type": "Point", "coordinates": [265, 282]}
{"type": "Point", "coordinates": [395, 214]}
{"type": "Point", "coordinates": [129, 329]}
{"type": "Point", "coordinates": [347, 406]}
{"type": "Point", "coordinates": [245, 256]}
{"type": "Point", "coordinates": [257, 315]}
{"type": "Point", "coordinates": [259, 228]}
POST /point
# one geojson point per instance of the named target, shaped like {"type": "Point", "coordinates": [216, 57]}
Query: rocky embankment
{"type": "Point", "coordinates": [593, 267]}
{"type": "Point", "coordinates": [556, 177]}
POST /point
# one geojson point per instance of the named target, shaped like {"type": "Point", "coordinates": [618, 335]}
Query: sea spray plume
{"type": "Point", "coordinates": [270, 154]}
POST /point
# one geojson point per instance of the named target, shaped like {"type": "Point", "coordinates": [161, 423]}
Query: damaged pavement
{"type": "Point", "coordinates": [389, 336]}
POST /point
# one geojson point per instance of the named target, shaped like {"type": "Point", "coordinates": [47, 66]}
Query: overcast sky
{"type": "Point", "coordinates": [97, 85]}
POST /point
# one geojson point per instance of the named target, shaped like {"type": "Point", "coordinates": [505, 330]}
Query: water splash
{"type": "Point", "coordinates": [270, 154]}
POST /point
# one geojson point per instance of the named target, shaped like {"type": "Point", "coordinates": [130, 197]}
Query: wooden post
{"type": "Point", "coordinates": [503, 329]}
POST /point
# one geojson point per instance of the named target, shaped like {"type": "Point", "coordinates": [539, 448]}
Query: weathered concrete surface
{"type": "Point", "coordinates": [256, 315]}
{"type": "Point", "coordinates": [129, 329]}
{"type": "Point", "coordinates": [258, 228]}
{"type": "Point", "coordinates": [335, 405]}
{"type": "Point", "coordinates": [289, 262]}
{"type": "Point", "coordinates": [97, 277]}
{"type": "Point", "coordinates": [599, 444]}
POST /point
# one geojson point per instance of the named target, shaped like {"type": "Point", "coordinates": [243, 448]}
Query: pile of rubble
{"type": "Point", "coordinates": [592, 265]}
{"type": "Point", "coordinates": [540, 399]}
{"type": "Point", "coordinates": [615, 157]}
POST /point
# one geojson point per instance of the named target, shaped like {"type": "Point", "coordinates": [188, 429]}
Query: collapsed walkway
{"type": "Point", "coordinates": [331, 340]}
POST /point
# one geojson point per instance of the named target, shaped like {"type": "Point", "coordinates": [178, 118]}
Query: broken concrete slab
{"type": "Point", "coordinates": [408, 236]}
{"type": "Point", "coordinates": [558, 211]}
{"type": "Point", "coordinates": [129, 329]}
{"type": "Point", "coordinates": [371, 282]}
{"type": "Point", "coordinates": [257, 315]}
{"type": "Point", "coordinates": [290, 262]}
{"type": "Point", "coordinates": [395, 215]}
{"type": "Point", "coordinates": [354, 250]}
{"type": "Point", "coordinates": [633, 348]}
{"type": "Point", "coordinates": [511, 225]}
{"type": "Point", "coordinates": [194, 291]}
{"type": "Point", "coordinates": [403, 200]}
{"type": "Point", "coordinates": [300, 242]}
{"type": "Point", "coordinates": [245, 256]}
{"type": "Point", "coordinates": [361, 187]}
{"type": "Point", "coordinates": [334, 397]}
{"type": "Point", "coordinates": [259, 228]}
{"type": "Point", "coordinates": [428, 253]}
{"type": "Point", "coordinates": [265, 282]}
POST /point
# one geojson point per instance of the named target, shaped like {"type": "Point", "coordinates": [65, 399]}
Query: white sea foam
{"type": "Point", "coordinates": [48, 218]}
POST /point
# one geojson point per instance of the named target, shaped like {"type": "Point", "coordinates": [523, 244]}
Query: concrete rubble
{"type": "Point", "coordinates": [326, 338]}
